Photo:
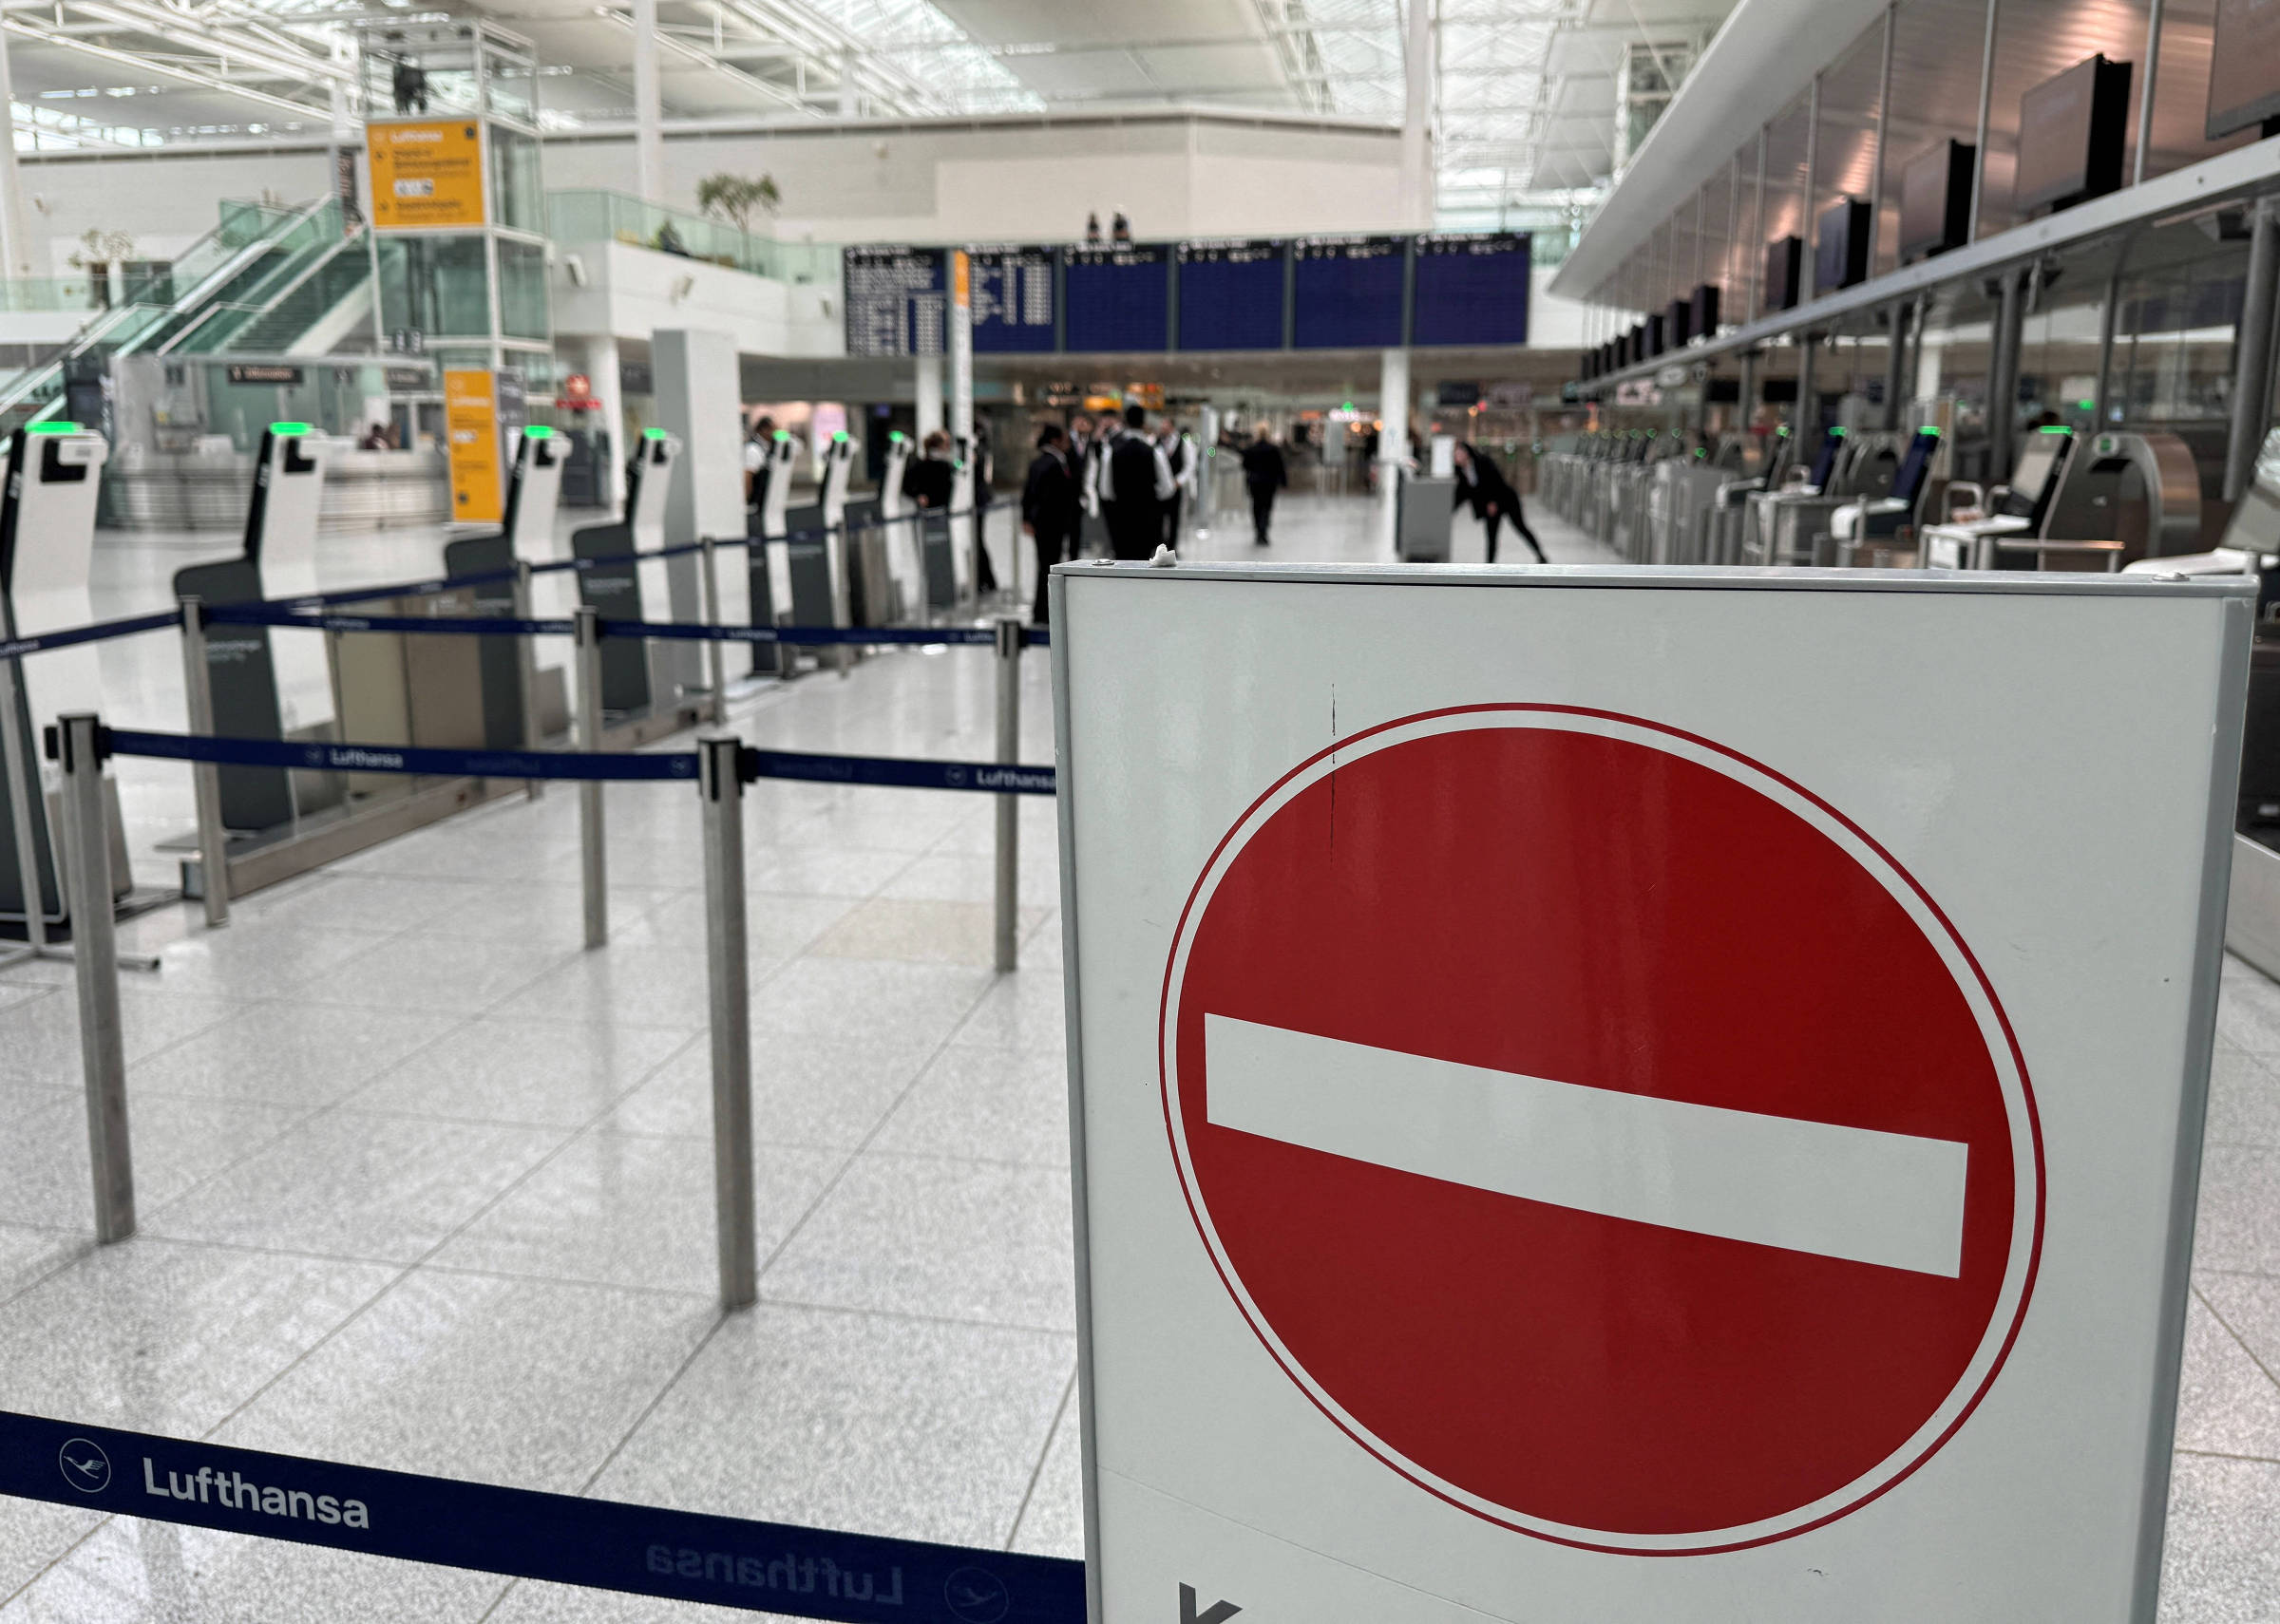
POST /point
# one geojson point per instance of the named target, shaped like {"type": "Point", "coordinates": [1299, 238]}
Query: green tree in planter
{"type": "Point", "coordinates": [735, 197]}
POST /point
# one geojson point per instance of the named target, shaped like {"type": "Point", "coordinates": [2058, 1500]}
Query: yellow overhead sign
{"type": "Point", "coordinates": [426, 175]}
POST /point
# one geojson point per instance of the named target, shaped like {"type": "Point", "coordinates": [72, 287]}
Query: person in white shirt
{"type": "Point", "coordinates": [758, 441]}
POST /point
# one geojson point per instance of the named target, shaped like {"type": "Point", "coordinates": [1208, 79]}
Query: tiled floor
{"type": "Point", "coordinates": [425, 1186]}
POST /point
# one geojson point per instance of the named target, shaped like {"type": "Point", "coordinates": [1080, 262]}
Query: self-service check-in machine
{"type": "Point", "coordinates": [1858, 525]}
{"type": "Point", "coordinates": [267, 686]}
{"type": "Point", "coordinates": [894, 576]}
{"type": "Point", "coordinates": [1763, 506]}
{"type": "Point", "coordinates": [814, 566]}
{"type": "Point", "coordinates": [47, 552]}
{"type": "Point", "coordinates": [1793, 527]}
{"type": "Point", "coordinates": [963, 519]}
{"type": "Point", "coordinates": [1682, 493]}
{"type": "Point", "coordinates": [2097, 503]}
{"type": "Point", "coordinates": [618, 591]}
{"type": "Point", "coordinates": [2252, 547]}
{"type": "Point", "coordinates": [767, 556]}
{"type": "Point", "coordinates": [1730, 503]}
{"type": "Point", "coordinates": [522, 700]}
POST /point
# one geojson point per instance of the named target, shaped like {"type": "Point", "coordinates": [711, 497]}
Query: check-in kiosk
{"type": "Point", "coordinates": [533, 493]}
{"type": "Point", "coordinates": [2016, 511]}
{"type": "Point", "coordinates": [814, 557]}
{"type": "Point", "coordinates": [1730, 504]}
{"type": "Point", "coordinates": [1824, 480]}
{"type": "Point", "coordinates": [767, 558]}
{"type": "Point", "coordinates": [265, 686]}
{"type": "Point", "coordinates": [46, 552]}
{"type": "Point", "coordinates": [1857, 525]}
{"type": "Point", "coordinates": [618, 591]}
{"type": "Point", "coordinates": [2107, 500]}
{"type": "Point", "coordinates": [894, 577]}
{"type": "Point", "coordinates": [961, 530]}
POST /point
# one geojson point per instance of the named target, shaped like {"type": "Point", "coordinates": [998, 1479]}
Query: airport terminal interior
{"type": "Point", "coordinates": [584, 591]}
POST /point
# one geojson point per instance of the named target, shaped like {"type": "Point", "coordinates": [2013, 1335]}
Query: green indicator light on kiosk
{"type": "Point", "coordinates": [1839, 432]}
{"type": "Point", "coordinates": [653, 434]}
{"type": "Point", "coordinates": [538, 431]}
{"type": "Point", "coordinates": [839, 435]}
{"type": "Point", "coordinates": [896, 437]}
{"type": "Point", "coordinates": [2054, 428]}
{"type": "Point", "coordinates": [783, 434]}
{"type": "Point", "coordinates": [2085, 405]}
{"type": "Point", "coordinates": [51, 428]}
{"type": "Point", "coordinates": [284, 430]}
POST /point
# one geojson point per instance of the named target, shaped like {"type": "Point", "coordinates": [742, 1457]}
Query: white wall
{"type": "Point", "coordinates": [1029, 178]}
{"type": "Point", "coordinates": [631, 292]}
{"type": "Point", "coordinates": [164, 202]}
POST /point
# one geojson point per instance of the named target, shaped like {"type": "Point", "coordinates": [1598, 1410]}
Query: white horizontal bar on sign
{"type": "Point", "coordinates": [1857, 1194]}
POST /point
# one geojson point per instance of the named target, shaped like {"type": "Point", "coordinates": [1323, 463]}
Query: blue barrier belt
{"type": "Point", "coordinates": [401, 589]}
{"type": "Point", "coordinates": [684, 1556]}
{"type": "Point", "coordinates": [96, 634]}
{"type": "Point", "coordinates": [593, 563]}
{"type": "Point", "coordinates": [691, 632]}
{"type": "Point", "coordinates": [466, 625]}
{"type": "Point", "coordinates": [992, 778]}
{"type": "Point", "coordinates": [400, 758]}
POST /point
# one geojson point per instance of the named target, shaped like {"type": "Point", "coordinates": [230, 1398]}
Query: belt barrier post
{"type": "Point", "coordinates": [95, 945]}
{"type": "Point", "coordinates": [716, 659]}
{"type": "Point", "coordinates": [527, 662]}
{"type": "Point", "coordinates": [20, 789]}
{"type": "Point", "coordinates": [592, 851]}
{"type": "Point", "coordinates": [721, 781]}
{"type": "Point", "coordinates": [205, 777]}
{"type": "Point", "coordinates": [1009, 807]}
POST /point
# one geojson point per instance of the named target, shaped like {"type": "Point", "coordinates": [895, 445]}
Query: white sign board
{"type": "Point", "coordinates": [1614, 1095]}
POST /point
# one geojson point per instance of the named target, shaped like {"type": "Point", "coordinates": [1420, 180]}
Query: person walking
{"type": "Point", "coordinates": [1179, 455]}
{"type": "Point", "coordinates": [1265, 473]}
{"type": "Point", "coordinates": [759, 441]}
{"type": "Point", "coordinates": [928, 477]}
{"type": "Point", "coordinates": [1481, 485]}
{"type": "Point", "coordinates": [1048, 508]}
{"type": "Point", "coordinates": [1133, 483]}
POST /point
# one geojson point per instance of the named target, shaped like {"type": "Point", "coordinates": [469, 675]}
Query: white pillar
{"type": "Point", "coordinates": [929, 397]}
{"type": "Point", "coordinates": [961, 352]}
{"type": "Point", "coordinates": [15, 243]}
{"type": "Point", "coordinates": [601, 368]}
{"type": "Point", "coordinates": [649, 139]}
{"type": "Point", "coordinates": [1393, 435]}
{"type": "Point", "coordinates": [1416, 199]}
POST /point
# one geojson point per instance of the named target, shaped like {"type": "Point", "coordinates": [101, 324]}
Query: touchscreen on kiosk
{"type": "Point", "coordinates": [2036, 462]}
{"type": "Point", "coordinates": [1824, 461]}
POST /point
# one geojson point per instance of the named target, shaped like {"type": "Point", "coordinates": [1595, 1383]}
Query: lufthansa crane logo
{"type": "Point", "coordinates": [85, 1467]}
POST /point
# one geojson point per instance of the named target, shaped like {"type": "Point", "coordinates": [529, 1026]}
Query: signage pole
{"type": "Point", "coordinates": [1008, 628]}
{"type": "Point", "coordinates": [720, 779]}
{"type": "Point", "coordinates": [213, 841]}
{"type": "Point", "coordinates": [716, 663]}
{"type": "Point", "coordinates": [593, 847]}
{"type": "Point", "coordinates": [527, 656]}
{"type": "Point", "coordinates": [95, 946]}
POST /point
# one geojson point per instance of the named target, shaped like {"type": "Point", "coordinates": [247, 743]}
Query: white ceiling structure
{"type": "Point", "coordinates": [1525, 90]}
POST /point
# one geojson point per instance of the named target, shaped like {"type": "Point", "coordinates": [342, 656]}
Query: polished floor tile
{"type": "Point", "coordinates": [1053, 1520]}
{"type": "Point", "coordinates": [541, 1072]}
{"type": "Point", "coordinates": [806, 1089]}
{"type": "Point", "coordinates": [631, 1210]}
{"type": "Point", "coordinates": [987, 1104]}
{"type": "Point", "coordinates": [922, 931]}
{"type": "Point", "coordinates": [2227, 1404]}
{"type": "Point", "coordinates": [826, 997]}
{"type": "Point", "coordinates": [39, 1038]}
{"type": "Point", "coordinates": [174, 1143]}
{"type": "Point", "coordinates": [297, 1056]}
{"type": "Point", "coordinates": [873, 1423]}
{"type": "Point", "coordinates": [420, 972]}
{"type": "Point", "coordinates": [626, 983]}
{"type": "Point", "coordinates": [348, 1184]}
{"type": "Point", "coordinates": [964, 1240]}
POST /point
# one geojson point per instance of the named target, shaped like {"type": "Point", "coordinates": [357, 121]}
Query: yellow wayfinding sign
{"type": "Point", "coordinates": [471, 421]}
{"type": "Point", "coordinates": [426, 175]}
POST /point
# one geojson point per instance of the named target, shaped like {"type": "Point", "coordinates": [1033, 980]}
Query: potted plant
{"type": "Point", "coordinates": [736, 198]}
{"type": "Point", "coordinates": [97, 250]}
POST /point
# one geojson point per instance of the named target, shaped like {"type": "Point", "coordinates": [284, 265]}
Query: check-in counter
{"type": "Point", "coordinates": [364, 490]}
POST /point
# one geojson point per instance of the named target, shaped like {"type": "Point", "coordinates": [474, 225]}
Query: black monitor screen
{"type": "Point", "coordinates": [1916, 464]}
{"type": "Point", "coordinates": [1935, 199]}
{"type": "Point", "coordinates": [1784, 260]}
{"type": "Point", "coordinates": [1824, 461]}
{"type": "Point", "coordinates": [1472, 289]}
{"type": "Point", "coordinates": [1346, 291]}
{"type": "Point", "coordinates": [1012, 297]}
{"type": "Point", "coordinates": [2071, 130]}
{"type": "Point", "coordinates": [1119, 298]}
{"type": "Point", "coordinates": [2038, 461]}
{"type": "Point", "coordinates": [1231, 294]}
{"type": "Point", "coordinates": [2244, 82]}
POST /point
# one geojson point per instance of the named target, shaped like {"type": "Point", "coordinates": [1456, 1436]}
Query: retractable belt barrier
{"type": "Point", "coordinates": [902, 772]}
{"type": "Point", "coordinates": [683, 1556]}
{"type": "Point", "coordinates": [507, 626]}
{"type": "Point", "coordinates": [101, 631]}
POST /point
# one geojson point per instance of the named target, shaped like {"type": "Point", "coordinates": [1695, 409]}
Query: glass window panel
{"type": "Point", "coordinates": [522, 308]}
{"type": "Point", "coordinates": [435, 285]}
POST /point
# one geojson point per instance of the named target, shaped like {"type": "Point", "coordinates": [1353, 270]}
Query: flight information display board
{"type": "Point", "coordinates": [1346, 291]}
{"type": "Point", "coordinates": [1470, 289]}
{"type": "Point", "coordinates": [1118, 299]}
{"type": "Point", "coordinates": [897, 300]}
{"type": "Point", "coordinates": [1232, 295]}
{"type": "Point", "coordinates": [1013, 302]}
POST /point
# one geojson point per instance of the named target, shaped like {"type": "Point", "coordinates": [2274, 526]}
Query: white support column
{"type": "Point", "coordinates": [1416, 199]}
{"type": "Point", "coordinates": [649, 138]}
{"type": "Point", "coordinates": [15, 244]}
{"type": "Point", "coordinates": [601, 366]}
{"type": "Point", "coordinates": [929, 414]}
{"type": "Point", "coordinates": [961, 352]}
{"type": "Point", "coordinates": [1393, 437]}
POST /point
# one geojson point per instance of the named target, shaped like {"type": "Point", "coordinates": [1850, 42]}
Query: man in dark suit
{"type": "Point", "coordinates": [1133, 481]}
{"type": "Point", "coordinates": [1265, 473]}
{"type": "Point", "coordinates": [1481, 486]}
{"type": "Point", "coordinates": [1048, 508]}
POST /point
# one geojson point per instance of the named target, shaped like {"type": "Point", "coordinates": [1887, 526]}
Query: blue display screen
{"type": "Point", "coordinates": [1472, 289]}
{"type": "Point", "coordinates": [1231, 294]}
{"type": "Point", "coordinates": [1118, 299]}
{"type": "Point", "coordinates": [897, 300]}
{"type": "Point", "coordinates": [1346, 291]}
{"type": "Point", "coordinates": [1012, 296]}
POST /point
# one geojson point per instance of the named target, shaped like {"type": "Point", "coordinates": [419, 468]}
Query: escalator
{"type": "Point", "coordinates": [263, 269]}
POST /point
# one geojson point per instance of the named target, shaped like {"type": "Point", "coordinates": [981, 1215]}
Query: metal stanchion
{"type": "Point", "coordinates": [102, 1048]}
{"type": "Point", "coordinates": [720, 782]}
{"type": "Point", "coordinates": [527, 657]}
{"type": "Point", "coordinates": [594, 856]}
{"type": "Point", "coordinates": [23, 831]}
{"type": "Point", "coordinates": [1009, 807]}
{"type": "Point", "coordinates": [213, 841]}
{"type": "Point", "coordinates": [716, 659]}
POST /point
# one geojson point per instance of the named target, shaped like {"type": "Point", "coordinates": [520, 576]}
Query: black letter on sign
{"type": "Point", "coordinates": [1220, 1612]}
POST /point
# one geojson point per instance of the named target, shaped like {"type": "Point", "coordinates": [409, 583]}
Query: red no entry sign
{"type": "Point", "coordinates": [1602, 1130]}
